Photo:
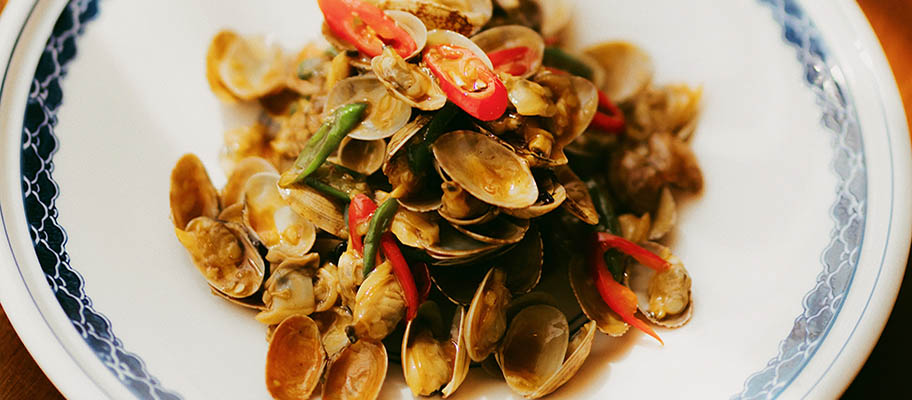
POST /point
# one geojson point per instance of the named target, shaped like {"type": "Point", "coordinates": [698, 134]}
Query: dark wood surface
{"type": "Point", "coordinates": [883, 375]}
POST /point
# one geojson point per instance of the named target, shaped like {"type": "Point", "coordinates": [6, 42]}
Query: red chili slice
{"type": "Point", "coordinates": [366, 27]}
{"type": "Point", "coordinates": [467, 81]}
{"type": "Point", "coordinates": [512, 60]}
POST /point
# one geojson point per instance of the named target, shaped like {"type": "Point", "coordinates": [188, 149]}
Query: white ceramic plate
{"type": "Point", "coordinates": [797, 247]}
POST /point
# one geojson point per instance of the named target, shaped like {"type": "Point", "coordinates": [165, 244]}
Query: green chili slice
{"type": "Point", "coordinates": [608, 222]}
{"type": "Point", "coordinates": [419, 155]}
{"type": "Point", "coordinates": [557, 58]}
{"type": "Point", "coordinates": [324, 142]}
{"type": "Point", "coordinates": [379, 223]}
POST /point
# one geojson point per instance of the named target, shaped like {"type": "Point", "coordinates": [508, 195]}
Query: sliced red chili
{"type": "Point", "coordinates": [608, 241]}
{"type": "Point", "coordinates": [403, 274]}
{"type": "Point", "coordinates": [609, 117]}
{"type": "Point", "coordinates": [618, 297]}
{"type": "Point", "coordinates": [366, 27]}
{"type": "Point", "coordinates": [512, 60]}
{"type": "Point", "coordinates": [359, 211]}
{"type": "Point", "coordinates": [467, 81]}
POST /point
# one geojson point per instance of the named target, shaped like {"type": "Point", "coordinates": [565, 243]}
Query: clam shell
{"type": "Point", "coordinates": [454, 244]}
{"type": "Point", "coordinates": [534, 348]}
{"type": "Point", "coordinates": [665, 216]}
{"type": "Point", "coordinates": [203, 237]}
{"type": "Point", "coordinates": [283, 231]}
{"type": "Point", "coordinates": [423, 355]}
{"type": "Point", "coordinates": [317, 208]}
{"type": "Point", "coordinates": [379, 304]}
{"type": "Point", "coordinates": [542, 206]}
{"type": "Point", "coordinates": [233, 192]}
{"type": "Point", "coordinates": [385, 114]}
{"type": "Point", "coordinates": [290, 290]}
{"type": "Point", "coordinates": [438, 37]}
{"type": "Point", "coordinates": [486, 169]}
{"type": "Point", "coordinates": [577, 352]}
{"type": "Point", "coordinates": [628, 69]}
{"type": "Point", "coordinates": [392, 70]}
{"type": "Point", "coordinates": [486, 318]}
{"type": "Point", "coordinates": [247, 68]}
{"type": "Point", "coordinates": [192, 194]}
{"type": "Point", "coordinates": [357, 372]}
{"type": "Point", "coordinates": [501, 230]}
{"type": "Point", "coordinates": [463, 16]}
{"type": "Point", "coordinates": [579, 202]}
{"type": "Point", "coordinates": [674, 283]}
{"type": "Point", "coordinates": [295, 359]}
{"type": "Point", "coordinates": [254, 301]}
{"type": "Point", "coordinates": [362, 156]}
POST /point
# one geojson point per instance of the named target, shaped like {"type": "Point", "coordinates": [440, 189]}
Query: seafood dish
{"type": "Point", "coordinates": [440, 185]}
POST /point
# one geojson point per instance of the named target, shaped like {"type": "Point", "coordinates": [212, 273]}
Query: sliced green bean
{"type": "Point", "coordinates": [327, 189]}
{"type": "Point", "coordinates": [324, 142]}
{"type": "Point", "coordinates": [379, 223]}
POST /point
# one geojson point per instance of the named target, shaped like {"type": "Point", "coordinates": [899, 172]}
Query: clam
{"type": "Point", "coordinates": [233, 191]}
{"type": "Point", "coordinates": [244, 68]}
{"type": "Point", "coordinates": [555, 15]}
{"type": "Point", "coordinates": [224, 254]}
{"type": "Point", "coordinates": [317, 208]}
{"type": "Point", "coordinates": [283, 231]}
{"type": "Point", "coordinates": [431, 362]}
{"type": "Point", "coordinates": [192, 194]}
{"type": "Point", "coordinates": [254, 301]}
{"type": "Point", "coordinates": [577, 102]}
{"type": "Point", "coordinates": [628, 69]}
{"type": "Point", "coordinates": [295, 359]}
{"type": "Point", "coordinates": [379, 304]}
{"type": "Point", "coordinates": [665, 297]}
{"type": "Point", "coordinates": [529, 98]}
{"type": "Point", "coordinates": [407, 21]}
{"type": "Point", "coordinates": [665, 216]}
{"type": "Point", "coordinates": [534, 348]}
{"type": "Point", "coordinates": [579, 202]}
{"type": "Point", "coordinates": [512, 37]}
{"type": "Point", "coordinates": [232, 213]}
{"type": "Point", "coordinates": [577, 352]}
{"type": "Point", "coordinates": [486, 319]}
{"type": "Point", "coordinates": [357, 372]}
{"type": "Point", "coordinates": [290, 290]}
{"type": "Point", "coordinates": [385, 114]}
{"type": "Point", "coordinates": [308, 73]}
{"type": "Point", "coordinates": [463, 16]}
{"type": "Point", "coordinates": [349, 276]}
{"type": "Point", "coordinates": [501, 230]}
{"type": "Point", "coordinates": [414, 229]}
{"type": "Point", "coordinates": [551, 196]}
{"type": "Point", "coordinates": [332, 324]}
{"type": "Point", "coordinates": [670, 108]}
{"type": "Point", "coordinates": [408, 82]}
{"type": "Point", "coordinates": [486, 169]}
{"type": "Point", "coordinates": [461, 208]}
{"type": "Point", "coordinates": [362, 156]}
{"type": "Point", "coordinates": [456, 248]}
{"type": "Point", "coordinates": [590, 301]}
{"type": "Point", "coordinates": [633, 228]}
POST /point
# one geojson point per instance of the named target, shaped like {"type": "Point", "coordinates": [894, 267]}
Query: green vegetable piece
{"type": "Point", "coordinates": [308, 67]}
{"type": "Point", "coordinates": [557, 58]}
{"type": "Point", "coordinates": [419, 155]}
{"type": "Point", "coordinates": [608, 222]}
{"type": "Point", "coordinates": [379, 223]}
{"type": "Point", "coordinates": [327, 189]}
{"type": "Point", "coordinates": [324, 142]}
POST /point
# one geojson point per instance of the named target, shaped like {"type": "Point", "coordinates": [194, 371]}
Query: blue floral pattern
{"type": "Point", "coordinates": [821, 304]}
{"type": "Point", "coordinates": [39, 192]}
{"type": "Point", "coordinates": [840, 258]}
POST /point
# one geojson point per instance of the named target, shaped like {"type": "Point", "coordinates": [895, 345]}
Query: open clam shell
{"type": "Point", "coordinates": [454, 245]}
{"type": "Point", "coordinates": [533, 348]}
{"type": "Point", "coordinates": [414, 229]}
{"type": "Point", "coordinates": [253, 302]}
{"type": "Point", "coordinates": [317, 208]}
{"type": "Point", "coordinates": [357, 372]}
{"type": "Point", "coordinates": [590, 301]}
{"type": "Point", "coordinates": [501, 230]}
{"type": "Point", "coordinates": [244, 68]}
{"type": "Point", "coordinates": [579, 202]}
{"type": "Point", "coordinates": [461, 208]}
{"type": "Point", "coordinates": [577, 352]}
{"type": "Point", "coordinates": [463, 16]}
{"type": "Point", "coordinates": [290, 290]}
{"type": "Point", "coordinates": [486, 169]}
{"type": "Point", "coordinates": [379, 304]}
{"type": "Point", "coordinates": [295, 359]}
{"type": "Point", "coordinates": [233, 192]}
{"type": "Point", "coordinates": [283, 231]}
{"type": "Point", "coordinates": [551, 195]}
{"type": "Point", "coordinates": [486, 320]}
{"type": "Point", "coordinates": [431, 363]}
{"type": "Point", "coordinates": [362, 156]}
{"type": "Point", "coordinates": [225, 255]}
{"type": "Point", "coordinates": [408, 82]}
{"type": "Point", "coordinates": [512, 36]}
{"type": "Point", "coordinates": [628, 69]}
{"type": "Point", "coordinates": [192, 193]}
{"type": "Point", "coordinates": [664, 298]}
{"type": "Point", "coordinates": [385, 114]}
{"type": "Point", "coordinates": [332, 324]}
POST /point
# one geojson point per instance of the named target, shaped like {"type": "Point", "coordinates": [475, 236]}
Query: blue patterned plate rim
{"type": "Point", "coordinates": [821, 305]}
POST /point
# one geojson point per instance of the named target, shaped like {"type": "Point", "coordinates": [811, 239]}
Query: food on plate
{"type": "Point", "coordinates": [444, 182]}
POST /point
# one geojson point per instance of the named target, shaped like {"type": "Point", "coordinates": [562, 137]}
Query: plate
{"type": "Point", "coordinates": [797, 245]}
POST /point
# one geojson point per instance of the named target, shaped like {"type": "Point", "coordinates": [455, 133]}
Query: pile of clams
{"type": "Point", "coordinates": [444, 185]}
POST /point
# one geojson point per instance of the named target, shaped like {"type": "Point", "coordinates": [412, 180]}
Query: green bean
{"type": "Point", "coordinates": [326, 189]}
{"type": "Point", "coordinates": [557, 58]}
{"type": "Point", "coordinates": [379, 223]}
{"type": "Point", "coordinates": [324, 142]}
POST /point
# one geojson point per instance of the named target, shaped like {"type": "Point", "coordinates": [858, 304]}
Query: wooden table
{"type": "Point", "coordinates": [884, 374]}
